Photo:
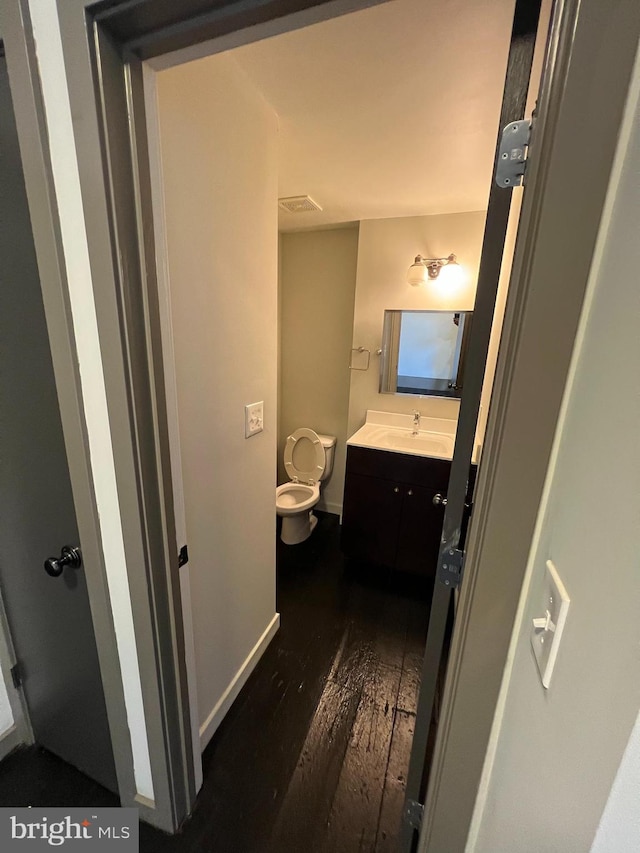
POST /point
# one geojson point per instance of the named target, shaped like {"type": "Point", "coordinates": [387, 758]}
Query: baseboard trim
{"type": "Point", "coordinates": [217, 715]}
{"type": "Point", "coordinates": [330, 506]}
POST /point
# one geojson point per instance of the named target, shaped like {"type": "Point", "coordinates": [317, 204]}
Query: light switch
{"type": "Point", "coordinates": [548, 624]}
{"type": "Point", "coordinates": [253, 419]}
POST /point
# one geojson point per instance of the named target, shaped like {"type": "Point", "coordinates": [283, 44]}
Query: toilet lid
{"type": "Point", "coordinates": [304, 457]}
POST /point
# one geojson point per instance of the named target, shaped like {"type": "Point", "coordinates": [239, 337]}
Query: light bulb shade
{"type": "Point", "coordinates": [451, 274]}
{"type": "Point", "coordinates": [417, 274]}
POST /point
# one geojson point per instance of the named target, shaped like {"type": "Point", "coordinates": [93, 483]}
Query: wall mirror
{"type": "Point", "coordinates": [423, 352]}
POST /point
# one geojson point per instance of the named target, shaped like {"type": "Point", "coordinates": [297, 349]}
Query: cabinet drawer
{"type": "Point", "coordinates": [399, 467]}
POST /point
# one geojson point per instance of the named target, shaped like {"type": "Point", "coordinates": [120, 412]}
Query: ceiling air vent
{"type": "Point", "coordinates": [298, 204]}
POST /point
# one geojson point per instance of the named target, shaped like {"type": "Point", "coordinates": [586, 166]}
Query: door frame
{"type": "Point", "coordinates": [27, 96]}
{"type": "Point", "coordinates": [549, 254]}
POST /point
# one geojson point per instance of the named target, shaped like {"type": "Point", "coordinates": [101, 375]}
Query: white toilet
{"type": "Point", "coordinates": [308, 458]}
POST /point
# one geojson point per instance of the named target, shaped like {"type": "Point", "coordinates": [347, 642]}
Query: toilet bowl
{"type": "Point", "coordinates": [308, 459]}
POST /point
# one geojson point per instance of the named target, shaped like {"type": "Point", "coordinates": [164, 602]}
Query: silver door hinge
{"type": "Point", "coordinates": [450, 567]}
{"type": "Point", "coordinates": [413, 814]}
{"type": "Point", "coordinates": [512, 156]}
{"type": "Point", "coordinates": [16, 675]}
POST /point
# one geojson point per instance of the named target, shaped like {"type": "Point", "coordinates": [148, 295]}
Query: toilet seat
{"type": "Point", "coordinates": [294, 498]}
{"type": "Point", "coordinates": [298, 475]}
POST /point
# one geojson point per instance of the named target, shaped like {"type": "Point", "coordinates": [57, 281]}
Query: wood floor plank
{"type": "Point", "coordinates": [309, 797]}
{"type": "Point", "coordinates": [416, 637]}
{"type": "Point", "coordinates": [388, 830]}
{"type": "Point", "coordinates": [352, 823]}
{"type": "Point", "coordinates": [353, 819]}
{"type": "Point", "coordinates": [410, 681]}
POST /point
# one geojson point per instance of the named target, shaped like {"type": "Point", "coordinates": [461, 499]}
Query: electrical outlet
{"type": "Point", "coordinates": [253, 419]}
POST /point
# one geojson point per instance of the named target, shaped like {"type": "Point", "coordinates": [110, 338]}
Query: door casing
{"type": "Point", "coordinates": [545, 299]}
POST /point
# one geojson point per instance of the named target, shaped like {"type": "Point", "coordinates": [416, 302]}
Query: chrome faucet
{"type": "Point", "coordinates": [416, 422]}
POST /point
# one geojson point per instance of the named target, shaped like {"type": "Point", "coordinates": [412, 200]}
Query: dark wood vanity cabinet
{"type": "Point", "coordinates": [388, 515]}
{"type": "Point", "coordinates": [419, 532]}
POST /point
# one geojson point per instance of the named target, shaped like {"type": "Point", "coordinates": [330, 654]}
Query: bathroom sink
{"type": "Point", "coordinates": [401, 440]}
{"type": "Point", "coordinates": [425, 443]}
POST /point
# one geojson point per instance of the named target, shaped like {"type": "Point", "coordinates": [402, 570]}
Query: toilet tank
{"type": "Point", "coordinates": [329, 444]}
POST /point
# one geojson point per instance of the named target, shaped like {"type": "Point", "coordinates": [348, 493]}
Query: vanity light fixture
{"type": "Point", "coordinates": [424, 269]}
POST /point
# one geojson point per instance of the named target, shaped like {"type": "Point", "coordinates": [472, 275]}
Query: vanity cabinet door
{"type": "Point", "coordinates": [419, 532]}
{"type": "Point", "coordinates": [371, 519]}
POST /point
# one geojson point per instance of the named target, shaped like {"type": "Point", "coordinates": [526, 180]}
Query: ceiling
{"type": "Point", "coordinates": [390, 111]}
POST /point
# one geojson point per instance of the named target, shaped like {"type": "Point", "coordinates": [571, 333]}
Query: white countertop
{"type": "Point", "coordinates": [394, 432]}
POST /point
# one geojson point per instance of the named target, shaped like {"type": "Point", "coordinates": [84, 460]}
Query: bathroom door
{"type": "Point", "coordinates": [49, 617]}
{"type": "Point", "coordinates": [521, 50]}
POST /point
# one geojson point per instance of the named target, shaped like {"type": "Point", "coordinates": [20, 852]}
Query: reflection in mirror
{"type": "Point", "coordinates": [423, 352]}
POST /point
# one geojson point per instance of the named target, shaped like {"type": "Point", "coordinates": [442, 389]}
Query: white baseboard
{"type": "Point", "coordinates": [330, 506]}
{"type": "Point", "coordinates": [217, 715]}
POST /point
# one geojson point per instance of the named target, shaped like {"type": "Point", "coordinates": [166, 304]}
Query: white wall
{"type": "Point", "coordinates": [219, 153]}
{"type": "Point", "coordinates": [386, 248]}
{"type": "Point", "coordinates": [557, 752]}
{"type": "Point", "coordinates": [619, 829]}
{"type": "Point", "coordinates": [317, 288]}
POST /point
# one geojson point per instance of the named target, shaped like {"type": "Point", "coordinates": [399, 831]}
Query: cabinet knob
{"type": "Point", "coordinates": [396, 489]}
{"type": "Point", "coordinates": [410, 492]}
{"type": "Point", "coordinates": [439, 500]}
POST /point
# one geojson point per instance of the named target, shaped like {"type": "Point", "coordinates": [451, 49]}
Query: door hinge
{"type": "Point", "coordinates": [183, 556]}
{"type": "Point", "coordinates": [450, 567]}
{"type": "Point", "coordinates": [512, 156]}
{"type": "Point", "coordinates": [413, 814]}
{"type": "Point", "coordinates": [16, 675]}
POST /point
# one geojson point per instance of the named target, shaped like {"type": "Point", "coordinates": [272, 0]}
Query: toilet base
{"type": "Point", "coordinates": [297, 528]}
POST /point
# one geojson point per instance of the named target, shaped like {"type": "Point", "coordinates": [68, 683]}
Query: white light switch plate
{"type": "Point", "coordinates": [548, 624]}
{"type": "Point", "coordinates": [253, 419]}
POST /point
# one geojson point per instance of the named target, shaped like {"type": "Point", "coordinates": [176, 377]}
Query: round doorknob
{"type": "Point", "coordinates": [439, 500]}
{"type": "Point", "coordinates": [69, 556]}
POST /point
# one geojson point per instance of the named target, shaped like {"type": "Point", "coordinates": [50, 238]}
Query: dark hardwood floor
{"type": "Point", "coordinates": [313, 755]}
